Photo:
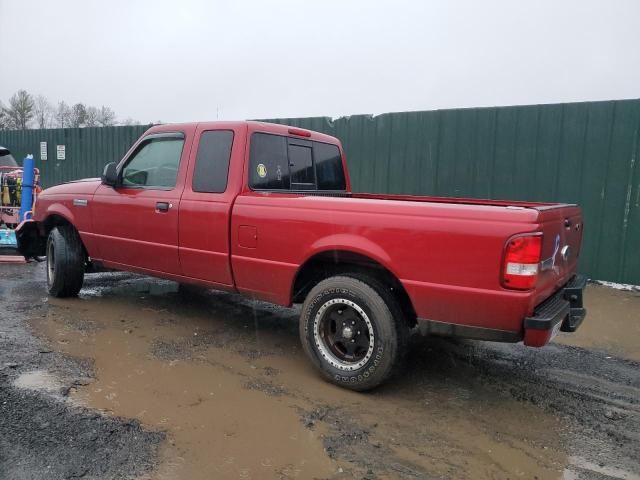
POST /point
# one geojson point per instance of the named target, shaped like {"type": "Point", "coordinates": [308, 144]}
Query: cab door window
{"type": "Point", "coordinates": [155, 163]}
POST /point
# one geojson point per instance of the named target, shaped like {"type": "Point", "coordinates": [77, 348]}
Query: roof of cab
{"type": "Point", "coordinates": [255, 126]}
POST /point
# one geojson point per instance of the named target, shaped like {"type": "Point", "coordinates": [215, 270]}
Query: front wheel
{"type": "Point", "coordinates": [65, 262]}
{"type": "Point", "coordinates": [353, 331]}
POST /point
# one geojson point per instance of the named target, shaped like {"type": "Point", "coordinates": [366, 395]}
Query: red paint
{"type": "Point", "coordinates": [537, 338]}
{"type": "Point", "coordinates": [448, 253]}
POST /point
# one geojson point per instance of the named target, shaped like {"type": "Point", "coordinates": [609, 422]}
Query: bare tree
{"type": "Point", "coordinates": [43, 111]}
{"type": "Point", "coordinates": [91, 117]}
{"type": "Point", "coordinates": [106, 117]}
{"type": "Point", "coordinates": [21, 110]}
{"type": "Point", "coordinates": [4, 118]}
{"type": "Point", "coordinates": [78, 114]}
{"type": "Point", "coordinates": [63, 115]}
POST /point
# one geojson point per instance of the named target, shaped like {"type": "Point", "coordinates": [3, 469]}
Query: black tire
{"type": "Point", "coordinates": [65, 262]}
{"type": "Point", "coordinates": [372, 310]}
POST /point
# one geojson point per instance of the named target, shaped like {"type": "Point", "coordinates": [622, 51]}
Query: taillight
{"type": "Point", "coordinates": [522, 262]}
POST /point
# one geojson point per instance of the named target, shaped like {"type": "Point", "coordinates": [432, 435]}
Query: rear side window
{"type": "Point", "coordinates": [269, 162]}
{"type": "Point", "coordinates": [329, 169]}
{"type": "Point", "coordinates": [212, 162]}
{"type": "Point", "coordinates": [286, 163]}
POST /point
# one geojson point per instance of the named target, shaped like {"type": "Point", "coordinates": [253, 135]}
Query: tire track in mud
{"type": "Point", "coordinates": [596, 393]}
{"type": "Point", "coordinates": [460, 409]}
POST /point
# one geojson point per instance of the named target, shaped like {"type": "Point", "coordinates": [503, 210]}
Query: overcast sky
{"type": "Point", "coordinates": [200, 60]}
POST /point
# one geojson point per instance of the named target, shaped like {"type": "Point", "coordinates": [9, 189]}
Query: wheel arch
{"type": "Point", "coordinates": [53, 220]}
{"type": "Point", "coordinates": [56, 214]}
{"type": "Point", "coordinates": [32, 235]}
{"type": "Point", "coordinates": [57, 219]}
{"type": "Point", "coordinates": [341, 261]}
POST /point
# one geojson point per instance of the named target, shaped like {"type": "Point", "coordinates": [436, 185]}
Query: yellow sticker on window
{"type": "Point", "coordinates": [262, 170]}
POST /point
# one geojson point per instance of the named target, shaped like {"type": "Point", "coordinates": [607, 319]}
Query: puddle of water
{"type": "Point", "coordinates": [125, 284]}
{"type": "Point", "coordinates": [216, 427]}
{"type": "Point", "coordinates": [230, 396]}
{"type": "Point", "coordinates": [40, 381]}
{"type": "Point", "coordinates": [612, 322]}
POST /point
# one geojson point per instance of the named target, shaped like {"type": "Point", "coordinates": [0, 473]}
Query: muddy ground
{"type": "Point", "coordinates": [138, 379]}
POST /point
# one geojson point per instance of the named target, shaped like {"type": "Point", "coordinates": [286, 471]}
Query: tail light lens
{"type": "Point", "coordinates": [522, 262]}
{"type": "Point", "coordinates": [299, 132]}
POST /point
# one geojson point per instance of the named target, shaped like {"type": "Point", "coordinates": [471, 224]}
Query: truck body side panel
{"type": "Point", "coordinates": [447, 253]}
{"type": "Point", "coordinates": [204, 220]}
{"type": "Point", "coordinates": [128, 226]}
{"type": "Point", "coordinates": [441, 253]}
{"type": "Point", "coordinates": [72, 202]}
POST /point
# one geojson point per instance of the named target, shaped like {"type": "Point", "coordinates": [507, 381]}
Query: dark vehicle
{"type": "Point", "coordinates": [6, 159]}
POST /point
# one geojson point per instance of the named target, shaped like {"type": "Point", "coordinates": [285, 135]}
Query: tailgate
{"type": "Point", "coordinates": [562, 229]}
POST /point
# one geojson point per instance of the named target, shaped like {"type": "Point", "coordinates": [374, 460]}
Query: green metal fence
{"type": "Point", "coordinates": [580, 152]}
{"type": "Point", "coordinates": [86, 150]}
{"type": "Point", "coordinates": [585, 153]}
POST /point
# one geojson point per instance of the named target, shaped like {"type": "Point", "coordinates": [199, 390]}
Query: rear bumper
{"type": "Point", "coordinates": [563, 311]}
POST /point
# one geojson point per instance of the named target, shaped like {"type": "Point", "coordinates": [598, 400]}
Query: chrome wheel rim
{"type": "Point", "coordinates": [343, 334]}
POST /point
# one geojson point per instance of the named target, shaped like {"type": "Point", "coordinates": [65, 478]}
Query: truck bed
{"type": "Point", "coordinates": [461, 200]}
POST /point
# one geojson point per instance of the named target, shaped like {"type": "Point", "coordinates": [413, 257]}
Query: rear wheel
{"type": "Point", "coordinates": [353, 331]}
{"type": "Point", "coordinates": [65, 262]}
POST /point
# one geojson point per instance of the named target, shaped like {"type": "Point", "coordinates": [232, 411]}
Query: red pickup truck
{"type": "Point", "coordinates": [267, 211]}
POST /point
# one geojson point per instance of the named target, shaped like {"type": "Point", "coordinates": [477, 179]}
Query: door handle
{"type": "Point", "coordinates": [163, 206]}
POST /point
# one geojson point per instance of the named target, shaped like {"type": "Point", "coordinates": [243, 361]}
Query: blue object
{"type": "Point", "coordinates": [8, 238]}
{"type": "Point", "coordinates": [28, 176]}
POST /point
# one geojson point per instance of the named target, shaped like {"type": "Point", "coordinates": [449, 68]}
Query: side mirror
{"type": "Point", "coordinates": [110, 174]}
